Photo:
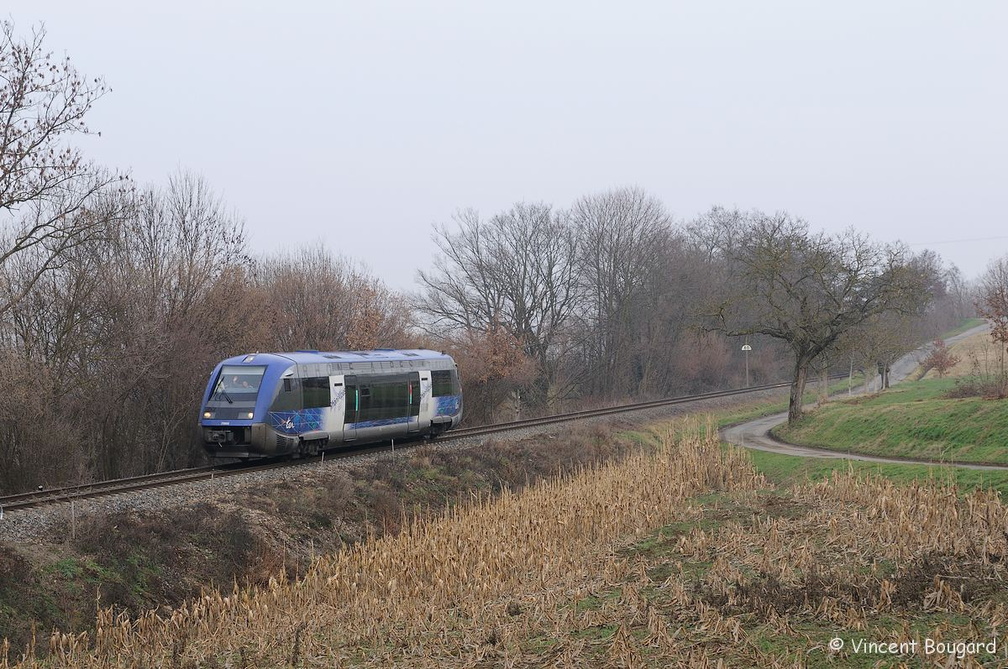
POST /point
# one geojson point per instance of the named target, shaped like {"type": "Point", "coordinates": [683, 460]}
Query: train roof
{"type": "Point", "coordinates": [377, 355]}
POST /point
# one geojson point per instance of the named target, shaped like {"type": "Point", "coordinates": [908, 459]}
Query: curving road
{"type": "Point", "coordinates": [756, 434]}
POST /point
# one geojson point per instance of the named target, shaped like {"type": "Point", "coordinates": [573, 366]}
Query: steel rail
{"type": "Point", "coordinates": [110, 488]}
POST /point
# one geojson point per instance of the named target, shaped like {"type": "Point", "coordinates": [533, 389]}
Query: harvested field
{"type": "Point", "coordinates": [681, 555]}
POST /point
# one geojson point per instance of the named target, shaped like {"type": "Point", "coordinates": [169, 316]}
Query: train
{"type": "Point", "coordinates": [264, 405]}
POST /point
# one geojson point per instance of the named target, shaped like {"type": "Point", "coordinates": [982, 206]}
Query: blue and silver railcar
{"type": "Point", "coordinates": [270, 404]}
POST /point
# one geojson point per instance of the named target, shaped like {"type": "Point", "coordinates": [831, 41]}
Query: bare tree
{"type": "Point", "coordinates": [992, 304]}
{"type": "Point", "coordinates": [949, 305]}
{"type": "Point", "coordinates": [313, 299]}
{"type": "Point", "coordinates": [624, 235]}
{"type": "Point", "coordinates": [170, 309]}
{"type": "Point", "coordinates": [959, 295]}
{"type": "Point", "coordinates": [807, 289]}
{"type": "Point", "coordinates": [52, 339]}
{"type": "Point", "coordinates": [515, 271]}
{"type": "Point", "coordinates": [45, 185]}
{"type": "Point", "coordinates": [48, 319]}
{"type": "Point", "coordinates": [877, 343]}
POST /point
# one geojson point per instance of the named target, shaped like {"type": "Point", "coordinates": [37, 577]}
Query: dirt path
{"type": "Point", "coordinates": [756, 434]}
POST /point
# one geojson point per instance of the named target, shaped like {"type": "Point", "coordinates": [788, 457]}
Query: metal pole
{"type": "Point", "coordinates": [746, 348]}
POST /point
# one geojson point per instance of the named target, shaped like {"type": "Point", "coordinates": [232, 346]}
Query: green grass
{"type": "Point", "coordinates": [787, 470]}
{"type": "Point", "coordinates": [758, 409]}
{"type": "Point", "coordinates": [913, 421]}
{"type": "Point", "coordinates": [966, 325]}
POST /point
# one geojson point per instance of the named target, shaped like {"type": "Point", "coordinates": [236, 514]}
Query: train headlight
{"type": "Point", "coordinates": [249, 415]}
{"type": "Point", "coordinates": [208, 414]}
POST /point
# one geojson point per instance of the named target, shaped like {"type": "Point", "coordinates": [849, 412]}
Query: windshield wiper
{"type": "Point", "coordinates": [220, 389]}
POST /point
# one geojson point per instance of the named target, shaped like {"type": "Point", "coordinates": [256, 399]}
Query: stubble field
{"type": "Point", "coordinates": [681, 554]}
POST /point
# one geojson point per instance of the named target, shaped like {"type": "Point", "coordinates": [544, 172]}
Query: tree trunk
{"type": "Point", "coordinates": [824, 383]}
{"type": "Point", "coordinates": [797, 390]}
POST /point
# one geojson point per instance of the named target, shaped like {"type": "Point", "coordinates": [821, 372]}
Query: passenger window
{"type": "Point", "coordinates": [443, 383]}
{"type": "Point", "coordinates": [289, 396]}
{"type": "Point", "coordinates": [316, 392]}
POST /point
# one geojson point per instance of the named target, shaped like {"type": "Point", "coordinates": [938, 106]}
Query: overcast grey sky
{"type": "Point", "coordinates": [361, 124]}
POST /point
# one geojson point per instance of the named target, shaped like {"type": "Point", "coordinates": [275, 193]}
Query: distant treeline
{"type": "Point", "coordinates": [116, 300]}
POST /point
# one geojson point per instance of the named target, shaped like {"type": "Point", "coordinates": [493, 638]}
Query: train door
{"type": "Point", "coordinates": [351, 407]}
{"type": "Point", "coordinates": [426, 411]}
{"type": "Point", "coordinates": [337, 410]}
{"type": "Point", "coordinates": [413, 401]}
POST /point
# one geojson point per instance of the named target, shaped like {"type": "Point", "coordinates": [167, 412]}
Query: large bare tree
{"type": "Point", "coordinates": [805, 288]}
{"type": "Point", "coordinates": [515, 271]}
{"type": "Point", "coordinates": [625, 236]}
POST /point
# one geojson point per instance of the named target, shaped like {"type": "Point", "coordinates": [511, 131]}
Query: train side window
{"type": "Point", "coordinates": [288, 397]}
{"type": "Point", "coordinates": [386, 397]}
{"type": "Point", "coordinates": [444, 382]}
{"type": "Point", "coordinates": [316, 392]}
{"type": "Point", "coordinates": [351, 398]}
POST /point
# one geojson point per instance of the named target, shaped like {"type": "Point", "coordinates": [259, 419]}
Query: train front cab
{"type": "Point", "coordinates": [229, 409]}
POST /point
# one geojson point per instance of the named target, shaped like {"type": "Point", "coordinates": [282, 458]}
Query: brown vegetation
{"type": "Point", "coordinates": [940, 358]}
{"type": "Point", "coordinates": [147, 560]}
{"type": "Point", "coordinates": [570, 571]}
{"type": "Point", "coordinates": [992, 304]}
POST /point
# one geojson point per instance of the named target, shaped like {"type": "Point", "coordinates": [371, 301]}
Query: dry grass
{"type": "Point", "coordinates": [569, 572]}
{"type": "Point", "coordinates": [978, 356]}
{"type": "Point", "coordinates": [441, 589]}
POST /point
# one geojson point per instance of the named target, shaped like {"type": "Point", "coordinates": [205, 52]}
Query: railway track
{"type": "Point", "coordinates": [47, 497]}
{"type": "Point", "coordinates": [606, 411]}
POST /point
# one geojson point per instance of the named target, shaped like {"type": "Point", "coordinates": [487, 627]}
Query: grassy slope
{"type": "Point", "coordinates": [788, 470]}
{"type": "Point", "coordinates": [910, 421]}
{"type": "Point", "coordinates": [923, 397]}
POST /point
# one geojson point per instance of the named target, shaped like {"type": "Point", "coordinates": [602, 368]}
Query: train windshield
{"type": "Point", "coordinates": [237, 383]}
